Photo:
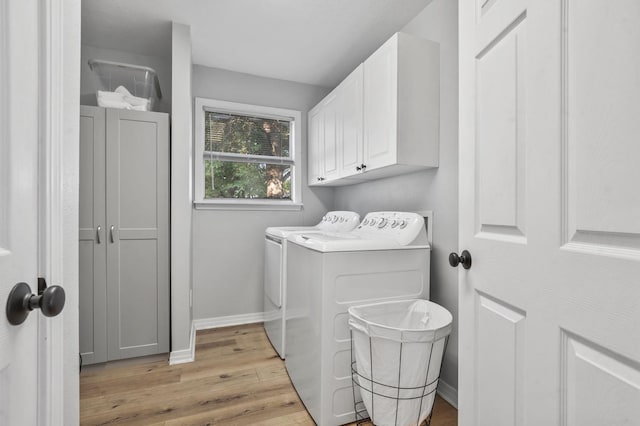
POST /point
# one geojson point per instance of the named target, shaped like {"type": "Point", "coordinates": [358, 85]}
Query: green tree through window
{"type": "Point", "coordinates": [246, 157]}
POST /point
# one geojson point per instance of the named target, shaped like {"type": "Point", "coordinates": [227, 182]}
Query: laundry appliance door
{"type": "Point", "coordinates": [274, 293]}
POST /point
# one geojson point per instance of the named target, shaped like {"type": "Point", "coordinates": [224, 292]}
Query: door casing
{"type": "Point", "coordinates": [58, 363]}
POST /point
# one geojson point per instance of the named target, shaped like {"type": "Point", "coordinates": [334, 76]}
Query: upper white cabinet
{"type": "Point", "coordinates": [335, 132]}
{"type": "Point", "coordinates": [402, 105]}
{"type": "Point", "coordinates": [382, 120]}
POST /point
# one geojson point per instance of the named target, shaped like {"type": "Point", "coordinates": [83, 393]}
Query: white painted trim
{"type": "Point", "coordinates": [51, 141]}
{"type": "Point", "coordinates": [206, 323]}
{"type": "Point", "coordinates": [181, 180]}
{"type": "Point", "coordinates": [204, 104]}
{"type": "Point", "coordinates": [185, 355]}
{"type": "Point", "coordinates": [222, 205]}
{"type": "Point", "coordinates": [181, 357]}
{"type": "Point", "coordinates": [429, 215]}
{"type": "Point", "coordinates": [189, 354]}
{"type": "Point", "coordinates": [448, 393]}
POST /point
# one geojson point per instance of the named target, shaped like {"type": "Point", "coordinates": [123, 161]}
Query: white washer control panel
{"type": "Point", "coordinates": [403, 227]}
{"type": "Point", "coordinates": [339, 221]}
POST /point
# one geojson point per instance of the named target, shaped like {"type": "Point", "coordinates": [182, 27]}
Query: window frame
{"type": "Point", "coordinates": [203, 105]}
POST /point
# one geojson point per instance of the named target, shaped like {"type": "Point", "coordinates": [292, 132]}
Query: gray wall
{"type": "Point", "coordinates": [90, 83]}
{"type": "Point", "coordinates": [228, 245]}
{"type": "Point", "coordinates": [437, 189]}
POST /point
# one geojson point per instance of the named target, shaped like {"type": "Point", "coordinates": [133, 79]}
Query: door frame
{"type": "Point", "coordinates": [59, 91]}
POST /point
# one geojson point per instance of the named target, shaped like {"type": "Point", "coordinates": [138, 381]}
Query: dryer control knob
{"type": "Point", "coordinates": [403, 224]}
{"type": "Point", "coordinates": [382, 223]}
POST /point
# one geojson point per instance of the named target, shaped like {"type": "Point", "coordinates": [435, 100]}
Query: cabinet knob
{"type": "Point", "coordinates": [358, 168]}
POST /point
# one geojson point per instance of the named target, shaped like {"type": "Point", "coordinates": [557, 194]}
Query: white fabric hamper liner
{"type": "Point", "coordinates": [398, 349]}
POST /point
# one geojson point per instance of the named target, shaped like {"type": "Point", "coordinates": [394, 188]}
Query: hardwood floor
{"type": "Point", "coordinates": [236, 379]}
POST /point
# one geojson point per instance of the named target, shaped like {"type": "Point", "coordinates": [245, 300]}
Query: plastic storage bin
{"type": "Point", "coordinates": [139, 81]}
{"type": "Point", "coordinates": [396, 355]}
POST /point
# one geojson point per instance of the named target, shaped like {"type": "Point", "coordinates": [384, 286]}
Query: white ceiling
{"type": "Point", "coordinates": [309, 41]}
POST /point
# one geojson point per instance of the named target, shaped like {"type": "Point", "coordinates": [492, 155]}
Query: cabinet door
{"type": "Point", "coordinates": [381, 105]}
{"type": "Point", "coordinates": [314, 143]}
{"type": "Point", "coordinates": [138, 233]}
{"type": "Point", "coordinates": [330, 150]}
{"type": "Point", "coordinates": [350, 123]}
{"type": "Point", "coordinates": [92, 244]}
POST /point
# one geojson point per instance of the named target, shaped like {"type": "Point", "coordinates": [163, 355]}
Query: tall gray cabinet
{"type": "Point", "coordinates": [124, 233]}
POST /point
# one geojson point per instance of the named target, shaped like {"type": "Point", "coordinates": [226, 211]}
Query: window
{"type": "Point", "coordinates": [246, 156]}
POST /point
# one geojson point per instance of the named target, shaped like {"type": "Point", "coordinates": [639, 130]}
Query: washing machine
{"type": "Point", "coordinates": [387, 257]}
{"type": "Point", "coordinates": [275, 268]}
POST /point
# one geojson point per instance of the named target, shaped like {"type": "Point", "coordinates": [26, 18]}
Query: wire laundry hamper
{"type": "Point", "coordinates": [396, 357]}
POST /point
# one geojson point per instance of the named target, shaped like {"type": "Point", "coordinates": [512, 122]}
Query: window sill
{"type": "Point", "coordinates": [246, 205]}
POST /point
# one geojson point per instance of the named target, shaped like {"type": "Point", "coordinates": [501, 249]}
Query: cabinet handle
{"type": "Point", "coordinates": [98, 231]}
{"type": "Point", "coordinates": [364, 166]}
{"type": "Point", "coordinates": [111, 233]}
{"type": "Point", "coordinates": [358, 168]}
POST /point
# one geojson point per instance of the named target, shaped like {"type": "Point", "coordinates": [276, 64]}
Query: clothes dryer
{"type": "Point", "coordinates": [275, 269]}
{"type": "Point", "coordinates": [387, 257]}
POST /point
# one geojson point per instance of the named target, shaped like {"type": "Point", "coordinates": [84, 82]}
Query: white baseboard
{"type": "Point", "coordinates": [448, 393]}
{"type": "Point", "coordinates": [205, 323]}
{"type": "Point", "coordinates": [189, 355]}
{"type": "Point", "coordinates": [185, 355]}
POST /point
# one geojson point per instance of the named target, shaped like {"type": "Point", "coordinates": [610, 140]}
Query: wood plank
{"type": "Point", "coordinates": [148, 397]}
{"type": "Point", "coordinates": [271, 371]}
{"type": "Point", "coordinates": [129, 383]}
{"type": "Point", "coordinates": [236, 379]}
{"type": "Point", "coordinates": [251, 412]}
{"type": "Point", "coordinates": [101, 371]}
{"type": "Point", "coordinates": [211, 367]}
{"type": "Point", "coordinates": [145, 408]}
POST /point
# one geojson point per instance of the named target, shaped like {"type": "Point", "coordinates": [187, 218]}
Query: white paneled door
{"type": "Point", "coordinates": [18, 205]}
{"type": "Point", "coordinates": [550, 212]}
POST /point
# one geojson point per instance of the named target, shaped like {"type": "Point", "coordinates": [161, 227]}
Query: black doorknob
{"type": "Point", "coordinates": [464, 259]}
{"type": "Point", "coordinates": [21, 301]}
